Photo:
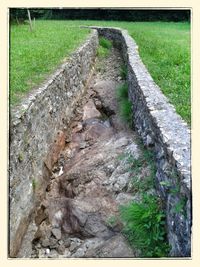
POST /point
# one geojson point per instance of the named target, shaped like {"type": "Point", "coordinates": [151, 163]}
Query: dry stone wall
{"type": "Point", "coordinates": [162, 130]}
{"type": "Point", "coordinates": [38, 122]}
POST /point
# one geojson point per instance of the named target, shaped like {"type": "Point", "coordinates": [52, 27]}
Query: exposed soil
{"type": "Point", "coordinates": [90, 181]}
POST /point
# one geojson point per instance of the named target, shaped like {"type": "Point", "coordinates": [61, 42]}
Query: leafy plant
{"type": "Point", "coordinates": [144, 227]}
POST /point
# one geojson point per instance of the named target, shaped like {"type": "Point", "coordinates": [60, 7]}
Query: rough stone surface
{"type": "Point", "coordinates": [115, 247]}
{"type": "Point", "coordinates": [90, 111]}
{"type": "Point", "coordinates": [162, 129]}
{"type": "Point", "coordinates": [83, 198]}
{"type": "Point", "coordinates": [57, 233]}
{"type": "Point", "coordinates": [34, 126]}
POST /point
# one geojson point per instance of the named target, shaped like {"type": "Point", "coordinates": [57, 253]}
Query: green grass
{"type": "Point", "coordinates": [123, 72]}
{"type": "Point", "coordinates": [144, 220]}
{"type": "Point", "coordinates": [163, 46]}
{"type": "Point", "coordinates": [105, 43]}
{"type": "Point", "coordinates": [145, 226]}
{"type": "Point", "coordinates": [125, 106]}
{"type": "Point", "coordinates": [104, 47]}
{"type": "Point", "coordinates": [33, 55]}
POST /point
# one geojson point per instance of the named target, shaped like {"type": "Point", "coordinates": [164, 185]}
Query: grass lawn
{"type": "Point", "coordinates": [33, 55]}
{"type": "Point", "coordinates": [163, 46]}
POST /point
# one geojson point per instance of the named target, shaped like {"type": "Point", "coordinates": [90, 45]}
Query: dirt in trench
{"type": "Point", "coordinates": [90, 181]}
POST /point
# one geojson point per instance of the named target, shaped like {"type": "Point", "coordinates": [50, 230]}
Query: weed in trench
{"type": "Point", "coordinates": [144, 221]}
{"type": "Point", "coordinates": [123, 72]}
{"type": "Point", "coordinates": [102, 52]}
{"type": "Point", "coordinates": [34, 184]}
{"type": "Point", "coordinates": [104, 47]}
{"type": "Point", "coordinates": [144, 226]}
{"type": "Point", "coordinates": [122, 92]}
{"type": "Point", "coordinates": [125, 105]}
{"type": "Point", "coordinates": [112, 221]}
{"type": "Point", "coordinates": [103, 42]}
{"type": "Point", "coordinates": [140, 183]}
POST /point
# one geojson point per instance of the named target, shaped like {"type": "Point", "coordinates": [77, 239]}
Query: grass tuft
{"type": "Point", "coordinates": [102, 52]}
{"type": "Point", "coordinates": [145, 226]}
{"type": "Point", "coordinates": [126, 110]}
{"type": "Point", "coordinates": [123, 72]}
{"type": "Point", "coordinates": [103, 42]}
{"type": "Point", "coordinates": [104, 47]}
{"type": "Point", "coordinates": [122, 91]}
{"type": "Point", "coordinates": [125, 106]}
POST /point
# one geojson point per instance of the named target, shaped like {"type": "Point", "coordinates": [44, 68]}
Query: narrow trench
{"type": "Point", "coordinates": [90, 180]}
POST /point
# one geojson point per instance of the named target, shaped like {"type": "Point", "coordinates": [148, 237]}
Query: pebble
{"type": "Point", "coordinates": [61, 249]}
{"type": "Point", "coordinates": [67, 243]}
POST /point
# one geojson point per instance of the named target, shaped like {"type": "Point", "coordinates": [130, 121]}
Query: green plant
{"type": "Point", "coordinates": [103, 42]}
{"type": "Point", "coordinates": [125, 106]}
{"type": "Point", "coordinates": [142, 184]}
{"type": "Point", "coordinates": [126, 111]}
{"type": "Point", "coordinates": [122, 91]}
{"type": "Point", "coordinates": [102, 52]}
{"type": "Point", "coordinates": [21, 157]}
{"type": "Point", "coordinates": [180, 206]}
{"type": "Point", "coordinates": [112, 221]}
{"type": "Point", "coordinates": [34, 184]}
{"type": "Point", "coordinates": [144, 226]}
{"type": "Point", "coordinates": [123, 72]}
{"type": "Point", "coordinates": [104, 47]}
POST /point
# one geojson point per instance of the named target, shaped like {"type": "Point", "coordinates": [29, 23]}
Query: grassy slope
{"type": "Point", "coordinates": [164, 48]}
{"type": "Point", "coordinates": [34, 55]}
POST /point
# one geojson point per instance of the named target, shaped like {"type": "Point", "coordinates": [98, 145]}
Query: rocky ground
{"type": "Point", "coordinates": [90, 180]}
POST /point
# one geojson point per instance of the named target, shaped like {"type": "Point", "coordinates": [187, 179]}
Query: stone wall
{"type": "Point", "coordinates": [38, 122]}
{"type": "Point", "coordinates": [162, 130]}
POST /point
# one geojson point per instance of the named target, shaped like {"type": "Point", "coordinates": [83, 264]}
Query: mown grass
{"type": "Point", "coordinates": [33, 55]}
{"type": "Point", "coordinates": [163, 46]}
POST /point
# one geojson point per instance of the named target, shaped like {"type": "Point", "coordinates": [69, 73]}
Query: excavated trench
{"type": "Point", "coordinates": [90, 180]}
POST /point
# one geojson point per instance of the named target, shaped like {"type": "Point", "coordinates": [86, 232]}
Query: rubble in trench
{"type": "Point", "coordinates": [89, 182]}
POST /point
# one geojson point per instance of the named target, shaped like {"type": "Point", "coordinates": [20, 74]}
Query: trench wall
{"type": "Point", "coordinates": [162, 130]}
{"type": "Point", "coordinates": [39, 121]}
